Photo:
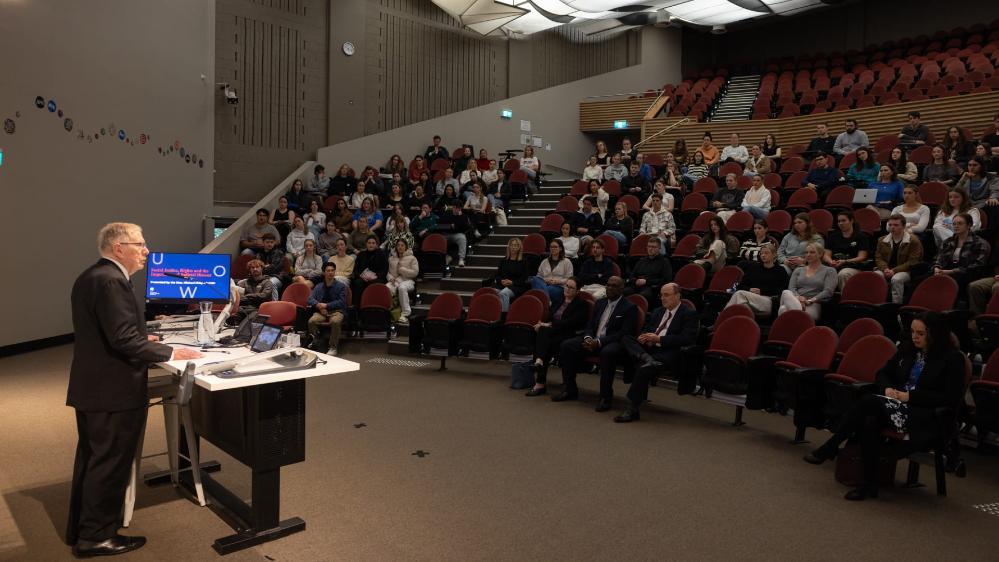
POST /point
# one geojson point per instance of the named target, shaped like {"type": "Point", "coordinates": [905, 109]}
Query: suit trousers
{"type": "Point", "coordinates": [572, 355]}
{"type": "Point", "coordinates": [638, 393]}
{"type": "Point", "coordinates": [104, 455]}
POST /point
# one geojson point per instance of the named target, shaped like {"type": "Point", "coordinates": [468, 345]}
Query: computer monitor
{"type": "Point", "coordinates": [187, 278]}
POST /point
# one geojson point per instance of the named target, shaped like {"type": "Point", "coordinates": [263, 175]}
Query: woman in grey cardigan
{"type": "Point", "coordinates": [553, 272]}
{"type": "Point", "coordinates": [791, 253]}
{"type": "Point", "coordinates": [811, 284]}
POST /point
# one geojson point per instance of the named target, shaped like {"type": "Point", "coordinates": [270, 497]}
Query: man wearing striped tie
{"type": "Point", "coordinates": [666, 330]}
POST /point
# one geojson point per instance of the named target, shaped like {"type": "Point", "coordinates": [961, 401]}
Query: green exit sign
{"type": "Point", "coordinates": [620, 124]}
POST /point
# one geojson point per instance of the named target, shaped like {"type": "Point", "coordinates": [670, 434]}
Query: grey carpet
{"type": "Point", "coordinates": [507, 478]}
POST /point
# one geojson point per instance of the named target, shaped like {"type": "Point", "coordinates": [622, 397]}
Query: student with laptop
{"type": "Point", "coordinates": [329, 302]}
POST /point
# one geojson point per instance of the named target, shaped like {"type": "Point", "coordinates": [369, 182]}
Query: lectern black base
{"type": "Point", "coordinates": [246, 539]}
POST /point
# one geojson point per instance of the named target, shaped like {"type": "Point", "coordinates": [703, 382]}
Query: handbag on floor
{"type": "Point", "coordinates": [522, 375]}
{"type": "Point", "coordinates": [850, 468]}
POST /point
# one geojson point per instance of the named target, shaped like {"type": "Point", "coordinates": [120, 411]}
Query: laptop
{"type": "Point", "coordinates": [248, 329]}
{"type": "Point", "coordinates": [266, 339]}
{"type": "Point", "coordinates": [865, 196]}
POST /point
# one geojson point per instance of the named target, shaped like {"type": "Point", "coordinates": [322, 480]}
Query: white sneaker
{"type": "Point", "coordinates": [331, 351]}
{"type": "Point", "coordinates": [403, 320]}
{"type": "Point", "coordinates": [461, 263]}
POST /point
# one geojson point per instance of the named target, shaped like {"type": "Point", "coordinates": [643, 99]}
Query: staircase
{"type": "Point", "coordinates": [737, 101]}
{"type": "Point", "coordinates": [483, 258]}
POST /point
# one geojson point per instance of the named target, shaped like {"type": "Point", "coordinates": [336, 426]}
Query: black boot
{"type": "Point", "coordinates": [821, 455]}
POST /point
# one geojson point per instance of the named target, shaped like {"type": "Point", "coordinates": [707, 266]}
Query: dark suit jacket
{"type": "Point", "coordinates": [573, 318]}
{"type": "Point", "coordinates": [621, 322]}
{"type": "Point", "coordinates": [110, 352]}
{"type": "Point", "coordinates": [941, 384]}
{"type": "Point", "coordinates": [682, 329]}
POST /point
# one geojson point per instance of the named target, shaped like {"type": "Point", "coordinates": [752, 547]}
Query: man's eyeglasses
{"type": "Point", "coordinates": [143, 244]}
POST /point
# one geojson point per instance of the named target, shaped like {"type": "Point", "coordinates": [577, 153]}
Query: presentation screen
{"type": "Point", "coordinates": [185, 278]}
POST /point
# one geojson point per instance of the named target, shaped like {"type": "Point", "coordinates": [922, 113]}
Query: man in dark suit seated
{"type": "Point", "coordinates": [650, 272]}
{"type": "Point", "coordinates": [666, 330]}
{"type": "Point", "coordinates": [613, 316]}
{"type": "Point", "coordinates": [108, 388]}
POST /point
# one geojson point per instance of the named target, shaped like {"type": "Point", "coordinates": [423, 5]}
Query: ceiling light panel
{"type": "Point", "coordinates": [711, 12]}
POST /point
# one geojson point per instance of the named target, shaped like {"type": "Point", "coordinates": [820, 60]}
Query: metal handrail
{"type": "Point", "coordinates": [621, 94]}
{"type": "Point", "coordinates": [667, 129]}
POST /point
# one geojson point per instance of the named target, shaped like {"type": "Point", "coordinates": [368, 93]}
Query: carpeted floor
{"type": "Point", "coordinates": [507, 478]}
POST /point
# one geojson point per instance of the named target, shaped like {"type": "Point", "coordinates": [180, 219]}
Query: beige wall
{"type": "Point", "coordinates": [553, 113]}
{"type": "Point", "coordinates": [274, 54]}
{"type": "Point", "coordinates": [136, 65]}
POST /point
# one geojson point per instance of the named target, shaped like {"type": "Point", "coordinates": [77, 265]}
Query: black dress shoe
{"type": "Point", "coordinates": [117, 544]}
{"type": "Point", "coordinates": [603, 405]}
{"type": "Point", "coordinates": [629, 415]}
{"type": "Point", "coordinates": [651, 368]}
{"type": "Point", "coordinates": [536, 391]}
{"type": "Point", "coordinates": [819, 456]}
{"type": "Point", "coordinates": [563, 396]}
{"type": "Point", "coordinates": [861, 493]}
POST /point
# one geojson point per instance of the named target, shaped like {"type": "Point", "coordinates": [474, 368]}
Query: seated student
{"type": "Point", "coordinates": [957, 202]}
{"type": "Point", "coordinates": [358, 196]}
{"type": "Point", "coordinates": [257, 287]}
{"type": "Point", "coordinates": [962, 253]}
{"type": "Point", "coordinates": [372, 182]}
{"type": "Point", "coordinates": [983, 153]}
{"type": "Point", "coordinates": [593, 170]}
{"type": "Point", "coordinates": [770, 147]}
{"type": "Point", "coordinates": [490, 174]}
{"type": "Point", "coordinates": [282, 217]}
{"type": "Point", "coordinates": [822, 177]}
{"type": "Point", "coordinates": [645, 169]}
{"type": "Point", "coordinates": [319, 184]}
{"type": "Point", "coordinates": [447, 180]}
{"type": "Point", "coordinates": [553, 272]}
{"type": "Point", "coordinates": [435, 150]}
{"type": "Point", "coordinates": [447, 199]}
{"type": "Point", "coordinates": [889, 191]}
{"type": "Point", "coordinates": [469, 174]}
{"type": "Point", "coordinates": [511, 274]}
{"type": "Point", "coordinates": [616, 171]}
{"type": "Point", "coordinates": [734, 152]}
{"type": "Point", "coordinates": [298, 198]}
{"type": "Point", "coordinates": [416, 199]}
{"type": "Point", "coordinates": [370, 266]}
{"type": "Point", "coordinates": [917, 215]}
{"type": "Point", "coordinates": [402, 271]}
{"type": "Point", "coordinates": [393, 198]}
{"type": "Point", "coordinates": [369, 214]}
{"type": "Point", "coordinates": [810, 285]}
{"type": "Point", "coordinates": [847, 248]}
{"type": "Point", "coordinates": [791, 253]}
{"type": "Point", "coordinates": [864, 171]}
{"type": "Point", "coordinates": [478, 206]}
{"type": "Point", "coordinates": [672, 177]}
{"type": "Point", "coordinates": [823, 143]}
{"type": "Point", "coordinates": [620, 225]}
{"type": "Point", "coordinates": [326, 243]}
{"type": "Point", "coordinates": [758, 163]}
{"type": "Point", "coordinates": [328, 302]}
{"type": "Point", "coordinates": [980, 292]}
{"type": "Point", "coordinates": [342, 217]}
{"type": "Point", "coordinates": [907, 171]}
{"type": "Point", "coordinates": [940, 169]}
{"type": "Point", "coordinates": [602, 154]}
{"type": "Point", "coordinates": [715, 246]}
{"type": "Point", "coordinates": [896, 255]}
{"type": "Point", "coordinates": [728, 199]}
{"type": "Point", "coordinates": [562, 323]}
{"type": "Point", "coordinates": [993, 137]}
{"type": "Point", "coordinates": [358, 239]}
{"type": "Point", "coordinates": [596, 193]}
{"type": "Point", "coordinates": [344, 182]}
{"type": "Point", "coordinates": [499, 193]}
{"type": "Point", "coordinates": [308, 266]}
{"type": "Point", "coordinates": [588, 222]}
{"type": "Point", "coordinates": [455, 226]}
{"type": "Point", "coordinates": [764, 279]}
{"type": "Point", "coordinates": [531, 165]}
{"type": "Point", "coordinates": [667, 330]}
{"type": "Point", "coordinates": [395, 165]}
{"type": "Point", "coordinates": [749, 251]}
{"type": "Point", "coordinates": [315, 220]}
{"type": "Point", "coordinates": [915, 133]}
{"type": "Point", "coordinates": [482, 162]}
{"type": "Point", "coordinates": [613, 317]}
{"type": "Point", "coordinates": [649, 273]}
{"type": "Point", "coordinates": [397, 228]}
{"type": "Point", "coordinates": [295, 244]}
{"type": "Point", "coordinates": [418, 169]}
{"type": "Point", "coordinates": [850, 140]}
{"type": "Point", "coordinates": [696, 170]}
{"type": "Point", "coordinates": [273, 259]}
{"type": "Point", "coordinates": [983, 189]}
{"type": "Point", "coordinates": [635, 183]}
{"type": "Point", "coordinates": [756, 200]}
{"type": "Point", "coordinates": [680, 154]}
{"type": "Point", "coordinates": [658, 222]}
{"type": "Point", "coordinates": [668, 201]}
{"type": "Point", "coordinates": [957, 149]}
{"type": "Point", "coordinates": [344, 262]}
{"type": "Point", "coordinates": [928, 373]}
{"type": "Point", "coordinates": [460, 159]}
{"type": "Point", "coordinates": [596, 270]}
{"type": "Point", "coordinates": [628, 153]}
{"type": "Point", "coordinates": [710, 152]}
{"type": "Point", "coordinates": [423, 224]}
{"type": "Point", "coordinates": [570, 243]}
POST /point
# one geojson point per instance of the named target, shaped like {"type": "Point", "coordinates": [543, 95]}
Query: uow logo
{"type": "Point", "coordinates": [187, 292]}
{"type": "Point", "coordinates": [157, 259]}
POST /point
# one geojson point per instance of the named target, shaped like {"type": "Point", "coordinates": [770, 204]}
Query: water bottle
{"type": "Point", "coordinates": [205, 334]}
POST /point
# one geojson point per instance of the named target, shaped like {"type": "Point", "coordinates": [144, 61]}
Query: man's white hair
{"type": "Point", "coordinates": [115, 232]}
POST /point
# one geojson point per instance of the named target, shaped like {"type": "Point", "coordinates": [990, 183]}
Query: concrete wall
{"type": "Point", "coordinates": [853, 25]}
{"type": "Point", "coordinates": [108, 65]}
{"type": "Point", "coordinates": [553, 113]}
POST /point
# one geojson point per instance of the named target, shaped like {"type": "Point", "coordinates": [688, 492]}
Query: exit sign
{"type": "Point", "coordinates": [621, 124]}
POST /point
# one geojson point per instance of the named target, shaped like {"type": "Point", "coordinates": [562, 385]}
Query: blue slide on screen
{"type": "Point", "coordinates": [181, 278]}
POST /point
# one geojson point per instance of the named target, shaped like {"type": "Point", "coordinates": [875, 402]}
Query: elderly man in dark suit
{"type": "Point", "coordinates": [613, 316]}
{"type": "Point", "coordinates": [107, 386]}
{"type": "Point", "coordinates": [666, 330]}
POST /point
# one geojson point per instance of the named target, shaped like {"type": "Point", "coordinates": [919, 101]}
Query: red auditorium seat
{"type": "Point", "coordinates": [726, 362]}
{"type": "Point", "coordinates": [519, 333]}
{"type": "Point", "coordinates": [786, 330]}
{"type": "Point", "coordinates": [480, 334]}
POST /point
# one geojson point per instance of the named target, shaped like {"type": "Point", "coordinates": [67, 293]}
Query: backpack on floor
{"type": "Point", "coordinates": [522, 375]}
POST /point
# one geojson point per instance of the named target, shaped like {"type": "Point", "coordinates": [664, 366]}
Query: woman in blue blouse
{"type": "Point", "coordinates": [889, 188]}
{"type": "Point", "coordinates": [864, 170]}
{"type": "Point", "coordinates": [368, 213]}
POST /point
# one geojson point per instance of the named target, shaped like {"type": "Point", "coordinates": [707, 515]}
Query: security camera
{"type": "Point", "coordinates": [230, 95]}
